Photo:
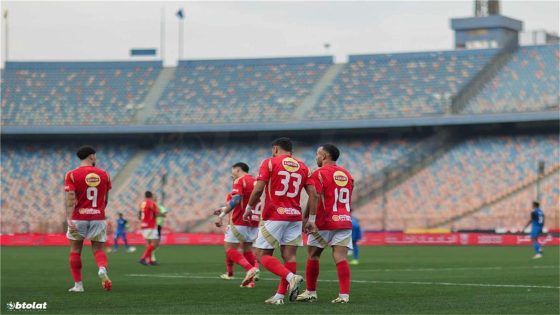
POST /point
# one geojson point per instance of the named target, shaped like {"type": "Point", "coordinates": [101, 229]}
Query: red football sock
{"type": "Point", "coordinates": [283, 285]}
{"type": "Point", "coordinates": [229, 266]}
{"type": "Point", "coordinates": [75, 260]}
{"type": "Point", "coordinates": [250, 256]}
{"type": "Point", "coordinates": [100, 258]}
{"type": "Point", "coordinates": [343, 277]}
{"type": "Point", "coordinates": [148, 253]}
{"type": "Point", "coordinates": [236, 256]}
{"type": "Point", "coordinates": [311, 274]}
{"type": "Point", "coordinates": [274, 265]}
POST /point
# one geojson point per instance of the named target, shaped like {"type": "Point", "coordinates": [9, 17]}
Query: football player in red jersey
{"type": "Point", "coordinates": [334, 185]}
{"type": "Point", "coordinates": [87, 193]}
{"type": "Point", "coordinates": [283, 177]}
{"type": "Point", "coordinates": [239, 232]}
{"type": "Point", "coordinates": [148, 214]}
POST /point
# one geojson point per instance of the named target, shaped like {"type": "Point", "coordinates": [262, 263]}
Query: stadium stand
{"type": "Point", "coordinates": [74, 93]}
{"type": "Point", "coordinates": [33, 182]}
{"type": "Point", "coordinates": [472, 173]}
{"type": "Point", "coordinates": [399, 85]}
{"type": "Point", "coordinates": [226, 91]}
{"type": "Point", "coordinates": [512, 213]}
{"type": "Point", "coordinates": [528, 82]}
{"type": "Point", "coordinates": [198, 176]}
{"type": "Point", "coordinates": [199, 173]}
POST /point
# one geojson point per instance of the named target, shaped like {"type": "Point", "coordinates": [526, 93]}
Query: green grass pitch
{"type": "Point", "coordinates": [396, 280]}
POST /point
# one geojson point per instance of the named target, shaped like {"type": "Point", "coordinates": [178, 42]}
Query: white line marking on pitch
{"type": "Point", "coordinates": [454, 268]}
{"type": "Point", "coordinates": [368, 281]}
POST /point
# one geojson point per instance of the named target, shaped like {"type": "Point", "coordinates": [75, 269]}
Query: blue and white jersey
{"type": "Point", "coordinates": [537, 218]}
{"type": "Point", "coordinates": [121, 226]}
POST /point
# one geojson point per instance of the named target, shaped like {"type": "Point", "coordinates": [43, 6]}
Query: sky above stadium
{"type": "Point", "coordinates": [46, 30]}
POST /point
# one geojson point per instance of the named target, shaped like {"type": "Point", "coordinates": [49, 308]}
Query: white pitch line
{"type": "Point", "coordinates": [368, 281]}
{"type": "Point", "coordinates": [456, 268]}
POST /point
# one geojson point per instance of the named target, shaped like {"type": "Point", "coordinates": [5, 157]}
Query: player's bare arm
{"type": "Point", "coordinates": [69, 205]}
{"type": "Point", "coordinates": [254, 199]}
{"type": "Point", "coordinates": [311, 208]}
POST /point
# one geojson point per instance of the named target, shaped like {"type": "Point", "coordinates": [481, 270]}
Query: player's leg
{"type": "Point", "coordinates": [250, 257]}
{"type": "Point", "coordinates": [536, 246]}
{"type": "Point", "coordinates": [116, 242]}
{"type": "Point", "coordinates": [153, 257]}
{"type": "Point", "coordinates": [311, 273]}
{"type": "Point", "coordinates": [101, 260]}
{"type": "Point", "coordinates": [355, 253]}
{"type": "Point", "coordinates": [341, 242]}
{"type": "Point", "coordinates": [155, 245]}
{"type": "Point", "coordinates": [75, 261]}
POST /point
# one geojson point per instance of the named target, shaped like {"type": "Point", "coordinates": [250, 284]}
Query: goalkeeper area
{"type": "Point", "coordinates": [398, 280]}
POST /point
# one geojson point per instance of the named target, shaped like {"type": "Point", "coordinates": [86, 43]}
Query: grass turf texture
{"type": "Point", "coordinates": [409, 280]}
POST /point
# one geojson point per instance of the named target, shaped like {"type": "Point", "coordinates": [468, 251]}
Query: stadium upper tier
{"type": "Point", "coordinates": [399, 85]}
{"type": "Point", "coordinates": [275, 90]}
{"type": "Point", "coordinates": [473, 173]}
{"type": "Point", "coordinates": [75, 93]}
{"type": "Point", "coordinates": [528, 82]}
{"type": "Point", "coordinates": [238, 90]}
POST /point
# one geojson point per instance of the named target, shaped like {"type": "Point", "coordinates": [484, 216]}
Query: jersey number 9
{"type": "Point", "coordinates": [91, 194]}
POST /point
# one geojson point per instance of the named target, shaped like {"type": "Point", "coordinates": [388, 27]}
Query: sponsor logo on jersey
{"type": "Point", "coordinates": [89, 211]}
{"type": "Point", "coordinates": [288, 211]}
{"type": "Point", "coordinates": [342, 217]}
{"type": "Point", "coordinates": [290, 164]}
{"type": "Point", "coordinates": [340, 178]}
{"type": "Point", "coordinates": [93, 180]}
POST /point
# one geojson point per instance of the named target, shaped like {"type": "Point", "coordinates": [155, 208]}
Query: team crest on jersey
{"type": "Point", "coordinates": [340, 178]}
{"type": "Point", "coordinates": [93, 180]}
{"type": "Point", "coordinates": [290, 164]}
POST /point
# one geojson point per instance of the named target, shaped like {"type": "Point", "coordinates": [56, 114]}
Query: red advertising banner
{"type": "Point", "coordinates": [369, 238]}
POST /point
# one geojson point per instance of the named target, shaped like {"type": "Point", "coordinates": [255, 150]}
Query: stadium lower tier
{"type": "Point", "coordinates": [482, 182]}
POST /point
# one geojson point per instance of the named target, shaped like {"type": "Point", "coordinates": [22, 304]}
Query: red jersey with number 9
{"type": "Point", "coordinates": [334, 186]}
{"type": "Point", "coordinates": [285, 177]}
{"type": "Point", "coordinates": [91, 185]}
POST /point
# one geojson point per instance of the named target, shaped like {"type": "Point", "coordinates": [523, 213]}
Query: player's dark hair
{"type": "Point", "coordinates": [332, 150]}
{"type": "Point", "coordinates": [244, 167]}
{"type": "Point", "coordinates": [120, 214]}
{"type": "Point", "coordinates": [536, 204]}
{"type": "Point", "coordinates": [84, 152]}
{"type": "Point", "coordinates": [284, 143]}
{"type": "Point", "coordinates": [148, 194]}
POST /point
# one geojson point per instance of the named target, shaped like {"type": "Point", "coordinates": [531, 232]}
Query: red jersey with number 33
{"type": "Point", "coordinates": [334, 186]}
{"type": "Point", "coordinates": [148, 214]}
{"type": "Point", "coordinates": [285, 177]}
{"type": "Point", "coordinates": [243, 186]}
{"type": "Point", "coordinates": [91, 185]}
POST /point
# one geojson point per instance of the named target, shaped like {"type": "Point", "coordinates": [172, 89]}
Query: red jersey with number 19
{"type": "Point", "coordinates": [91, 185]}
{"type": "Point", "coordinates": [334, 186]}
{"type": "Point", "coordinates": [285, 177]}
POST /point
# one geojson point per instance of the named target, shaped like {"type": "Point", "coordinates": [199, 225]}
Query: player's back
{"type": "Point", "coordinates": [537, 217]}
{"type": "Point", "coordinates": [285, 177]}
{"type": "Point", "coordinates": [334, 185]}
{"type": "Point", "coordinates": [91, 185]}
{"type": "Point", "coordinates": [243, 186]}
{"type": "Point", "coordinates": [148, 213]}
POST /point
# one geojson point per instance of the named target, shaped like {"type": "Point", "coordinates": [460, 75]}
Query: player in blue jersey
{"type": "Point", "coordinates": [120, 232]}
{"type": "Point", "coordinates": [537, 224]}
{"type": "Point", "coordinates": [356, 236]}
